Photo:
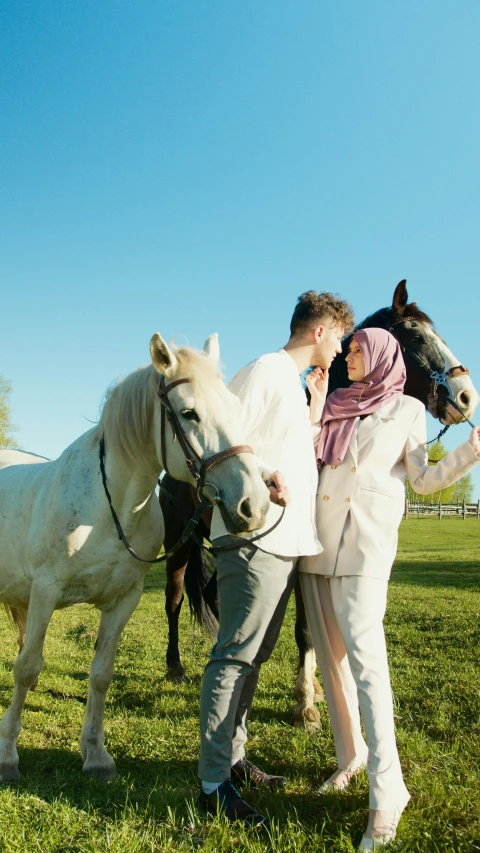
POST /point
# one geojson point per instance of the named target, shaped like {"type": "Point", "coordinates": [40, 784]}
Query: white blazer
{"type": "Point", "coordinates": [360, 503]}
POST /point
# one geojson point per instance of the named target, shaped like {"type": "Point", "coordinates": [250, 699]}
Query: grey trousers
{"type": "Point", "coordinates": [253, 592]}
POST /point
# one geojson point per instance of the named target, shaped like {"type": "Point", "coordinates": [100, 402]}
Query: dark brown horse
{"type": "Point", "coordinates": [428, 360]}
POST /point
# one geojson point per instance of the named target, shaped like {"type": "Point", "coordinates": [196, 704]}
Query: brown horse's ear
{"type": "Point", "coordinates": [400, 298]}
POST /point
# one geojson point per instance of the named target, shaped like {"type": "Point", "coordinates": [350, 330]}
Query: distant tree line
{"type": "Point", "coordinates": [6, 426]}
{"type": "Point", "coordinates": [462, 490]}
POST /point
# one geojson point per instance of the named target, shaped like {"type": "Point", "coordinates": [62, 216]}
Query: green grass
{"type": "Point", "coordinates": [433, 633]}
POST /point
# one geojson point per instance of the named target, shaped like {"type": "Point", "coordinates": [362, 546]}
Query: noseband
{"type": "Point", "coordinates": [437, 379]}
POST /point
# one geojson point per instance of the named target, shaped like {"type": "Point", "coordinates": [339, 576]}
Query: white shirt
{"type": "Point", "coordinates": [276, 424]}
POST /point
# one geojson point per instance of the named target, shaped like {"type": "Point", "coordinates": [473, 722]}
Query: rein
{"type": "Point", "coordinates": [192, 524]}
{"type": "Point", "coordinates": [437, 379]}
{"type": "Point", "coordinates": [211, 549]}
{"type": "Point", "coordinates": [197, 467]}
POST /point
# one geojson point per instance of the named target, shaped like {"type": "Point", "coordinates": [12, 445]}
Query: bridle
{"type": "Point", "coordinates": [437, 379]}
{"type": "Point", "coordinates": [198, 468]}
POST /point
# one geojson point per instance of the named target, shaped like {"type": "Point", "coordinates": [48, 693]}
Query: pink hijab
{"type": "Point", "coordinates": [384, 379]}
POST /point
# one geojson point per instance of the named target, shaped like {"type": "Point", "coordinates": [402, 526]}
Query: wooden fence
{"type": "Point", "coordinates": [461, 510]}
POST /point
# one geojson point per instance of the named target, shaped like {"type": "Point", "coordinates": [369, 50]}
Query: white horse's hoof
{"type": "Point", "coordinates": [307, 719]}
{"type": "Point", "coordinates": [102, 774]}
{"type": "Point", "coordinates": [9, 773]}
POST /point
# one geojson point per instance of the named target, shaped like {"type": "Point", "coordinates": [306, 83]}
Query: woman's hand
{"type": "Point", "coordinates": [279, 493]}
{"type": "Point", "coordinates": [474, 439]}
{"type": "Point", "coordinates": [317, 384]}
{"type": "Point", "coordinates": [317, 381]}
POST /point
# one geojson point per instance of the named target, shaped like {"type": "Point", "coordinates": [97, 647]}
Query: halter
{"type": "Point", "coordinates": [437, 379]}
{"type": "Point", "coordinates": [197, 467]}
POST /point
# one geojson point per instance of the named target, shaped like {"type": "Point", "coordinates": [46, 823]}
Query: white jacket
{"type": "Point", "coordinates": [360, 503]}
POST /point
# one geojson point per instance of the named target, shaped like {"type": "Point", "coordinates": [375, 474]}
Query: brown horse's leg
{"type": "Point", "coordinates": [177, 507]}
{"type": "Point", "coordinates": [307, 688]}
{"type": "Point", "coordinates": [185, 567]}
{"type": "Point", "coordinates": [176, 567]}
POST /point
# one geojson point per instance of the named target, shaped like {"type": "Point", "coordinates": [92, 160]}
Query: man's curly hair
{"type": "Point", "coordinates": [312, 309]}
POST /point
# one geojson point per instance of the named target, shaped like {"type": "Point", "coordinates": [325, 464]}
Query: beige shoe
{"type": "Point", "coordinates": [381, 829]}
{"type": "Point", "coordinates": [339, 780]}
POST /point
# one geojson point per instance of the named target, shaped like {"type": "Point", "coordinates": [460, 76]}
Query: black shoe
{"type": "Point", "coordinates": [226, 799]}
{"type": "Point", "coordinates": [244, 771]}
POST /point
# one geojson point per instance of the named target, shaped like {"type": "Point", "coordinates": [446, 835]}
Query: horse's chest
{"type": "Point", "coordinates": [102, 585]}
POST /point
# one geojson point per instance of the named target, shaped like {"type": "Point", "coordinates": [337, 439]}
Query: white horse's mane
{"type": "Point", "coordinates": [127, 413]}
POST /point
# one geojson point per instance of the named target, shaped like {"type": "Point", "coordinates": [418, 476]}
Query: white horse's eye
{"type": "Point", "coordinates": [190, 415]}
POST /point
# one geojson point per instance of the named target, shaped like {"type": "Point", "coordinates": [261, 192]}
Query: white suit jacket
{"type": "Point", "coordinates": [360, 503]}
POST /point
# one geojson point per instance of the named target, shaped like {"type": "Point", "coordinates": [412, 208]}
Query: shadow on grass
{"type": "Point", "coordinates": [462, 575]}
{"type": "Point", "coordinates": [157, 786]}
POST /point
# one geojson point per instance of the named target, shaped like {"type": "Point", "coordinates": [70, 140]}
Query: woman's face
{"type": "Point", "coordinates": [355, 362]}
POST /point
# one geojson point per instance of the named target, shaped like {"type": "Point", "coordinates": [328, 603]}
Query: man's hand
{"type": "Point", "coordinates": [279, 493]}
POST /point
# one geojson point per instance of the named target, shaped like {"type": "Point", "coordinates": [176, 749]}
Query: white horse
{"type": "Point", "coordinates": [58, 542]}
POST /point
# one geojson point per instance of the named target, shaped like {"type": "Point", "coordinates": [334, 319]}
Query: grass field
{"type": "Point", "coordinates": [433, 634]}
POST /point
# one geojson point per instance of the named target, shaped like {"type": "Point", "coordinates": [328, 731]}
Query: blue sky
{"type": "Point", "coordinates": [191, 166]}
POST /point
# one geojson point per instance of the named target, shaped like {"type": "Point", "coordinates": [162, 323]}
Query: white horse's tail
{"type": "Point", "coordinates": [18, 619]}
{"type": "Point", "coordinates": [10, 613]}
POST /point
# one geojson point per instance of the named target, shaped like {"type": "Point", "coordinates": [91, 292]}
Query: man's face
{"type": "Point", "coordinates": [328, 344]}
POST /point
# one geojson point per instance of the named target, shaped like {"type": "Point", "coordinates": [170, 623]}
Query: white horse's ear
{"type": "Point", "coordinates": [211, 347]}
{"type": "Point", "coordinates": [163, 359]}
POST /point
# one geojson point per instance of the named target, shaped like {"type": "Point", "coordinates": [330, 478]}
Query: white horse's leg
{"type": "Point", "coordinates": [97, 761]}
{"type": "Point", "coordinates": [26, 671]}
{"type": "Point", "coordinates": [318, 695]}
{"type": "Point", "coordinates": [307, 691]}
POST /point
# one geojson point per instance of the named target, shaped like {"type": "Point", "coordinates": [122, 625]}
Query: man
{"type": "Point", "coordinates": [255, 580]}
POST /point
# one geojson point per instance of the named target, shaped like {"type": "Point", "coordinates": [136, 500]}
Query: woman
{"type": "Point", "coordinates": [372, 437]}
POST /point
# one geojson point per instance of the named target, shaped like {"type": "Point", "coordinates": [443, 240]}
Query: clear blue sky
{"type": "Point", "coordinates": [191, 166]}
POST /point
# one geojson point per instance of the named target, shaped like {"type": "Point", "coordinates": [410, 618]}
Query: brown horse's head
{"type": "Point", "coordinates": [425, 354]}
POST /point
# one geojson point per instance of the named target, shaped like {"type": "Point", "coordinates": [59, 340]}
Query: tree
{"type": "Point", "coordinates": [462, 490]}
{"type": "Point", "coordinates": [6, 426]}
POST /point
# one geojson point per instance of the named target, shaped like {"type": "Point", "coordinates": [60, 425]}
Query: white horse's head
{"type": "Point", "coordinates": [209, 415]}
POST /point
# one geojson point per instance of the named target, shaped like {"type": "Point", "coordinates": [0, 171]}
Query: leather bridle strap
{"type": "Point", "coordinates": [197, 466]}
{"type": "Point", "coordinates": [223, 454]}
{"type": "Point", "coordinates": [168, 412]}
{"type": "Point", "coordinates": [121, 535]}
{"type": "Point", "coordinates": [437, 379]}
{"type": "Point", "coordinates": [188, 533]}
{"type": "Point", "coordinates": [241, 541]}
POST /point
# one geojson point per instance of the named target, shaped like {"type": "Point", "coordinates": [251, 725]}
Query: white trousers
{"type": "Point", "coordinates": [345, 615]}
